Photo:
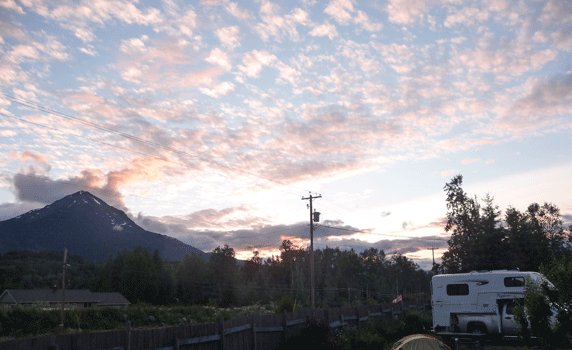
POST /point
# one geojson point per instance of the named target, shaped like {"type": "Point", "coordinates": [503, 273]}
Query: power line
{"type": "Point", "coordinates": [243, 237]}
{"type": "Point", "coordinates": [32, 105]}
{"type": "Point", "coordinates": [29, 104]}
{"type": "Point", "coordinates": [134, 151]}
{"type": "Point", "coordinates": [141, 153]}
{"type": "Point", "coordinates": [383, 234]}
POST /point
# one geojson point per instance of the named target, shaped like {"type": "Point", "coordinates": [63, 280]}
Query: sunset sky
{"type": "Point", "coordinates": [209, 120]}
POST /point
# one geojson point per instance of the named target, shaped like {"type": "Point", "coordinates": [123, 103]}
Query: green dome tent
{"type": "Point", "coordinates": [419, 342]}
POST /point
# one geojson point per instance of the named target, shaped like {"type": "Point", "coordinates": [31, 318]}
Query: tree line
{"type": "Point", "coordinates": [342, 277]}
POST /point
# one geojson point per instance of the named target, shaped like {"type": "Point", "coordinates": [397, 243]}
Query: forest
{"type": "Point", "coordinates": [342, 277]}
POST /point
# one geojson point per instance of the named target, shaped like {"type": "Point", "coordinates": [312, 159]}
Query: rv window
{"type": "Point", "coordinates": [514, 282]}
{"type": "Point", "coordinates": [458, 289]}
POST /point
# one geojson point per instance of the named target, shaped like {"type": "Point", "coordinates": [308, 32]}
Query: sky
{"type": "Point", "coordinates": [210, 121]}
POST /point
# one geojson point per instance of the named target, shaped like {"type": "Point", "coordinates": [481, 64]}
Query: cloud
{"type": "Point", "coordinates": [254, 61]}
{"type": "Point", "coordinates": [44, 190]}
{"type": "Point", "coordinates": [217, 56]}
{"type": "Point", "coordinates": [342, 12]}
{"type": "Point", "coordinates": [11, 5]}
{"type": "Point", "coordinates": [467, 16]}
{"type": "Point", "coordinates": [10, 30]}
{"type": "Point", "coordinates": [469, 161]}
{"type": "Point", "coordinates": [277, 26]}
{"type": "Point", "coordinates": [406, 11]}
{"type": "Point", "coordinates": [228, 36]}
{"type": "Point", "coordinates": [207, 229]}
{"type": "Point", "coordinates": [363, 20]}
{"type": "Point", "coordinates": [445, 173]}
{"type": "Point", "coordinates": [11, 210]}
{"type": "Point", "coordinates": [78, 18]}
{"type": "Point", "coordinates": [33, 163]}
{"type": "Point", "coordinates": [30, 185]}
{"type": "Point", "coordinates": [540, 110]}
{"type": "Point", "coordinates": [567, 219]}
{"type": "Point", "coordinates": [238, 12]}
{"type": "Point", "coordinates": [326, 29]}
{"type": "Point", "coordinates": [219, 90]}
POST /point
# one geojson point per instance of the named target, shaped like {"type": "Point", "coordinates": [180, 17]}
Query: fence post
{"type": "Point", "coordinates": [128, 331]}
{"type": "Point", "coordinates": [53, 345]}
{"type": "Point", "coordinates": [284, 325]}
{"type": "Point", "coordinates": [253, 333]}
{"type": "Point", "coordinates": [222, 333]}
{"type": "Point", "coordinates": [357, 315]}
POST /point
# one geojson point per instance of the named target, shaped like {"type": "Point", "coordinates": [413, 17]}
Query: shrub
{"type": "Point", "coordinates": [285, 304]}
{"type": "Point", "coordinates": [414, 322]}
{"type": "Point", "coordinates": [368, 336]}
{"type": "Point", "coordinates": [316, 336]}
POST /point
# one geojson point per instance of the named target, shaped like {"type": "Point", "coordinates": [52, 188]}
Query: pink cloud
{"type": "Point", "coordinates": [219, 90]}
{"type": "Point", "coordinates": [450, 172]}
{"type": "Point", "coordinates": [254, 61]}
{"type": "Point", "coordinates": [11, 5]}
{"type": "Point", "coordinates": [541, 109]}
{"type": "Point", "coordinates": [326, 29]}
{"type": "Point", "coordinates": [217, 56]}
{"type": "Point", "coordinates": [340, 10]}
{"type": "Point", "coordinates": [469, 161]}
{"type": "Point", "coordinates": [467, 16]}
{"type": "Point", "coordinates": [406, 11]}
{"type": "Point", "coordinates": [228, 36]}
{"type": "Point", "coordinates": [275, 25]}
{"type": "Point", "coordinates": [238, 12]}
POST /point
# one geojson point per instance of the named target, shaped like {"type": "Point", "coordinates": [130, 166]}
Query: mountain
{"type": "Point", "coordinates": [86, 226]}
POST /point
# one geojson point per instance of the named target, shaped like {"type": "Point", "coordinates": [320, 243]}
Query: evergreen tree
{"type": "Point", "coordinates": [223, 272]}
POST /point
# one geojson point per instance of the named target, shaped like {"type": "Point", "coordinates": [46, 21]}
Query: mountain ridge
{"type": "Point", "coordinates": [87, 226]}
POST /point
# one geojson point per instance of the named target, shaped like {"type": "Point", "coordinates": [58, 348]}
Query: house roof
{"type": "Point", "coordinates": [110, 299]}
{"type": "Point", "coordinates": [29, 296]}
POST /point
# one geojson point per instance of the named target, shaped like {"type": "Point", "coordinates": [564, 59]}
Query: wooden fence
{"type": "Point", "coordinates": [258, 332]}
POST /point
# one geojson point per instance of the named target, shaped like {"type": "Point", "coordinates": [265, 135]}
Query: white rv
{"type": "Point", "coordinates": [479, 302]}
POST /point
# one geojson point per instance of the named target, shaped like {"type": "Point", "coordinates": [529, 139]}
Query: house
{"type": "Point", "coordinates": [81, 298]}
{"type": "Point", "coordinates": [111, 299]}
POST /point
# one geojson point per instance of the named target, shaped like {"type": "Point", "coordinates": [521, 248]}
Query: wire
{"type": "Point", "coordinates": [134, 151]}
{"type": "Point", "coordinates": [29, 104]}
{"type": "Point", "coordinates": [383, 234]}
{"type": "Point", "coordinates": [257, 235]}
{"type": "Point", "coordinates": [32, 105]}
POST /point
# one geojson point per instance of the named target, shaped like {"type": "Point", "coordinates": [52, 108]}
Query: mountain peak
{"type": "Point", "coordinates": [87, 226]}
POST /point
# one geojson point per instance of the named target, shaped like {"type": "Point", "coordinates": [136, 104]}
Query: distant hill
{"type": "Point", "coordinates": [86, 226]}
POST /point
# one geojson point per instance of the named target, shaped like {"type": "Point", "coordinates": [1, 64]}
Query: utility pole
{"type": "Point", "coordinates": [312, 217]}
{"type": "Point", "coordinates": [64, 286]}
{"type": "Point", "coordinates": [433, 249]}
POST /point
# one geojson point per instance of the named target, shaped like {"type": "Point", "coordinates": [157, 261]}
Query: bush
{"type": "Point", "coordinates": [285, 304]}
{"type": "Point", "coordinates": [316, 336]}
{"type": "Point", "coordinates": [366, 337]}
{"type": "Point", "coordinates": [415, 323]}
